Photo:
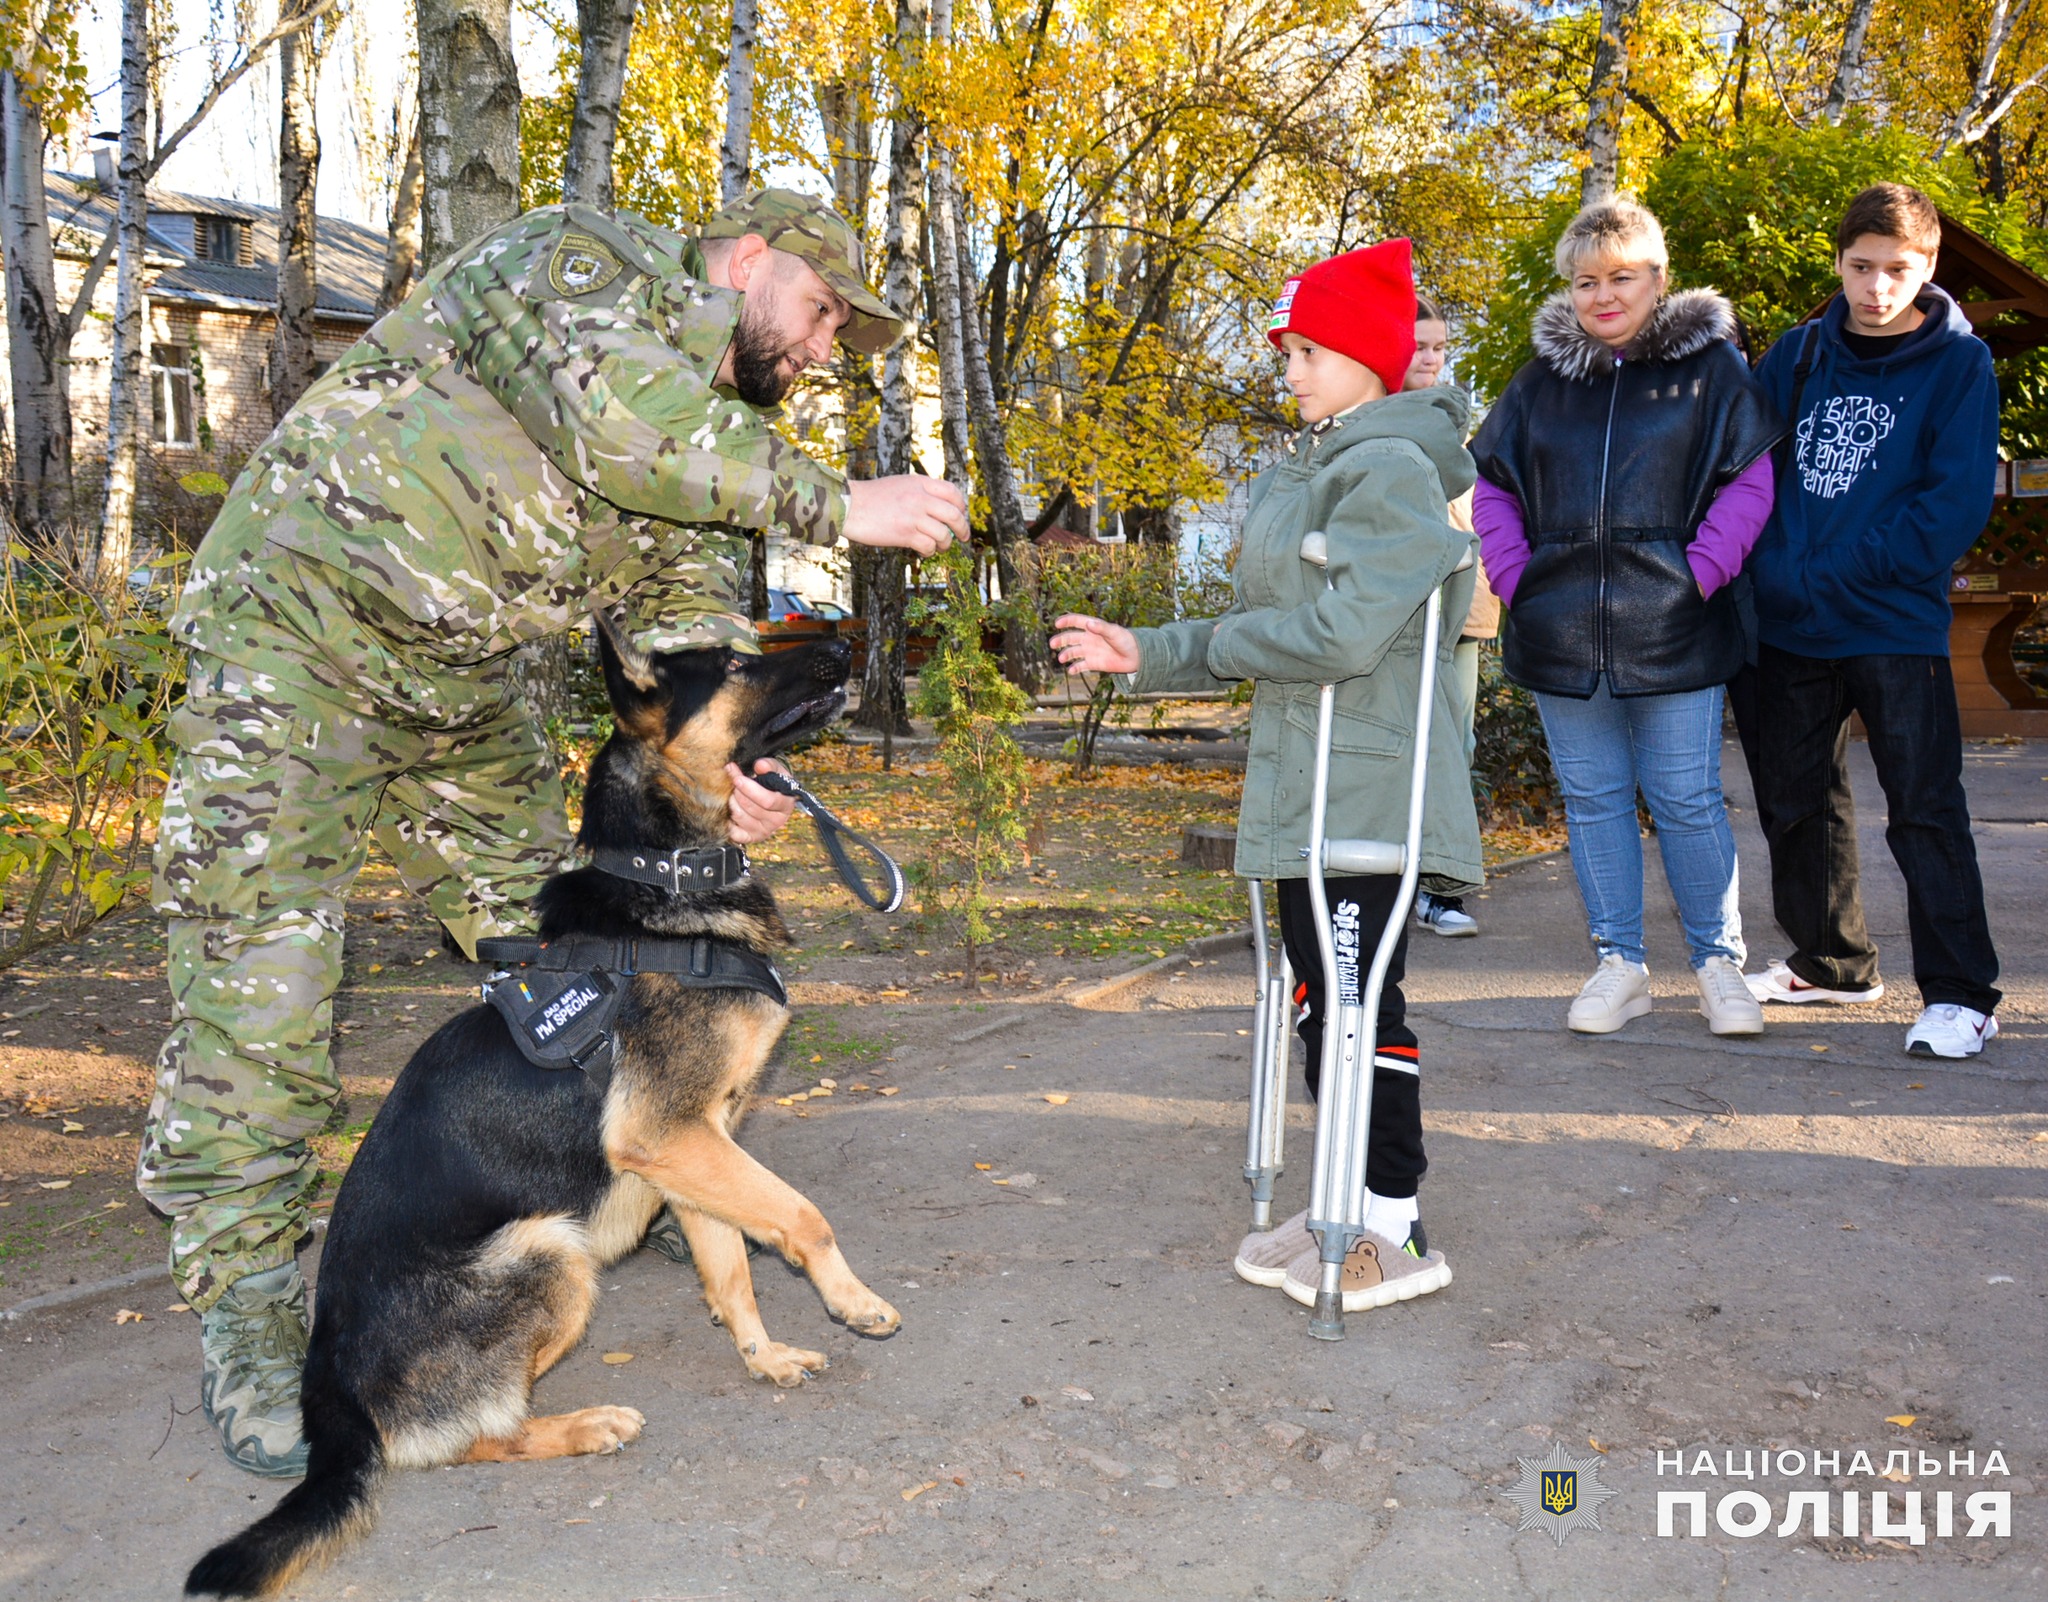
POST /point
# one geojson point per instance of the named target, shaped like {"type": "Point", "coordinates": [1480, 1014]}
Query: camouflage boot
{"type": "Point", "coordinates": [254, 1345]}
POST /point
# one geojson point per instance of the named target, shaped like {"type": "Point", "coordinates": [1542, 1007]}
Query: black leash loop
{"type": "Point", "coordinates": [834, 836]}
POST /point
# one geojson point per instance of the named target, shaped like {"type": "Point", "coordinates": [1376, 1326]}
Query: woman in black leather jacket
{"type": "Point", "coordinates": [1623, 476]}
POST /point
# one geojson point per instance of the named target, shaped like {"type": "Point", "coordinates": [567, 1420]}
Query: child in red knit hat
{"type": "Point", "coordinates": [1372, 470]}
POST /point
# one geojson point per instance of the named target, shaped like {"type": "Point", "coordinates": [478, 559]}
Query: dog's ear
{"type": "Point", "coordinates": [639, 700]}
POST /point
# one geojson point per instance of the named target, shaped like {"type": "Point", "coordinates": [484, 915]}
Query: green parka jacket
{"type": "Point", "coordinates": [1375, 480]}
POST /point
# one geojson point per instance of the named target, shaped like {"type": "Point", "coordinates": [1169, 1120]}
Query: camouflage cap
{"type": "Point", "coordinates": [806, 226]}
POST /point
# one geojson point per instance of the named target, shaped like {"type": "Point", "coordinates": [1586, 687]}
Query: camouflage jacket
{"type": "Point", "coordinates": [536, 430]}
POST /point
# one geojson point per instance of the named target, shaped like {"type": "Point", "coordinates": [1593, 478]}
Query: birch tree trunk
{"type": "Point", "coordinates": [1849, 64]}
{"type": "Point", "coordinates": [292, 351]}
{"type": "Point", "coordinates": [1608, 100]}
{"type": "Point", "coordinates": [606, 30]}
{"type": "Point", "coordinates": [125, 400]}
{"type": "Point", "coordinates": [469, 121]}
{"type": "Point", "coordinates": [849, 134]}
{"type": "Point", "coordinates": [402, 254]}
{"type": "Point", "coordinates": [734, 156]}
{"type": "Point", "coordinates": [943, 237]}
{"type": "Point", "coordinates": [38, 341]}
{"type": "Point", "coordinates": [882, 701]}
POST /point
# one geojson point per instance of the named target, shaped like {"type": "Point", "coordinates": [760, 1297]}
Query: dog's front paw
{"type": "Point", "coordinates": [868, 1314]}
{"type": "Point", "coordinates": [788, 1366]}
{"type": "Point", "coordinates": [605, 1429]}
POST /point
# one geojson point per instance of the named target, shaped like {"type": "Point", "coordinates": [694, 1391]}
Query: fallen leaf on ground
{"type": "Point", "coordinates": [1816, 1048]}
{"type": "Point", "coordinates": [179, 1307]}
{"type": "Point", "coordinates": [829, 1084]}
{"type": "Point", "coordinates": [1058, 1098]}
{"type": "Point", "coordinates": [1510, 1346]}
{"type": "Point", "coordinates": [1916, 1087]}
{"type": "Point", "coordinates": [912, 1492]}
{"type": "Point", "coordinates": [1590, 1441]}
{"type": "Point", "coordinates": [53, 1184]}
{"type": "Point", "coordinates": [1077, 1393]}
{"type": "Point", "coordinates": [128, 1315]}
{"type": "Point", "coordinates": [983, 1167]}
{"type": "Point", "coordinates": [860, 1087]}
{"type": "Point", "coordinates": [1903, 1420]}
{"type": "Point", "coordinates": [785, 1101]}
{"type": "Point", "coordinates": [73, 1129]}
{"type": "Point", "coordinates": [376, 967]}
{"type": "Point", "coordinates": [888, 1090]}
{"type": "Point", "coordinates": [616, 1358]}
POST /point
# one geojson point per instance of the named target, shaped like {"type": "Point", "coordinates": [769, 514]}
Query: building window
{"type": "Point", "coordinates": [171, 396]}
{"type": "Point", "coordinates": [219, 239]}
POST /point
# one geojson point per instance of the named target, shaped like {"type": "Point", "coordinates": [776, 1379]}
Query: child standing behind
{"type": "Point", "coordinates": [1372, 469]}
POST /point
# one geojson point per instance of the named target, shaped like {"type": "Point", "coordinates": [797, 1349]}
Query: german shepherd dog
{"type": "Point", "coordinates": [463, 1256]}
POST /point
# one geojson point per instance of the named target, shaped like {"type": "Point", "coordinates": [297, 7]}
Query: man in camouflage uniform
{"type": "Point", "coordinates": [573, 411]}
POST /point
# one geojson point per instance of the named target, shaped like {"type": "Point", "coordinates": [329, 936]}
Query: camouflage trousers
{"type": "Point", "coordinates": [273, 798]}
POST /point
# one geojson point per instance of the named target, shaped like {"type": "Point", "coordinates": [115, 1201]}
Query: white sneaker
{"type": "Point", "coordinates": [1779, 984]}
{"type": "Point", "coordinates": [1444, 915]}
{"type": "Point", "coordinates": [1618, 991]}
{"type": "Point", "coordinates": [1725, 1001]}
{"type": "Point", "coordinates": [1950, 1031]}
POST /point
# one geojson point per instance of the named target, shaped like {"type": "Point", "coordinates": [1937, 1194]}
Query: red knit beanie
{"type": "Point", "coordinates": [1360, 304]}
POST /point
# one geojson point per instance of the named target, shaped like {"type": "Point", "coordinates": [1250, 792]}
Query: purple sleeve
{"type": "Point", "coordinates": [1504, 538]}
{"type": "Point", "coordinates": [1732, 524]}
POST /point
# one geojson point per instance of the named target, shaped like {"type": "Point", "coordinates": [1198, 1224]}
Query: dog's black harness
{"type": "Point", "coordinates": [562, 1003]}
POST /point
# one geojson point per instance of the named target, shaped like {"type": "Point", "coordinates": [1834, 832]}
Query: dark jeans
{"type": "Point", "coordinates": [1394, 1161]}
{"type": "Point", "coordinates": [1908, 704]}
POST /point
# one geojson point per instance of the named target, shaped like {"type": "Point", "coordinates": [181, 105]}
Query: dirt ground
{"type": "Point", "coordinates": [1665, 1246]}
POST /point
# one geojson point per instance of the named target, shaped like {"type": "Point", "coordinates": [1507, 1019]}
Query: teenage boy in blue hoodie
{"type": "Point", "coordinates": [1888, 481]}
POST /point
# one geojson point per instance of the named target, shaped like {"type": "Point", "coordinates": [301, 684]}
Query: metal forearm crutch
{"type": "Point", "coordinates": [1269, 1064]}
{"type": "Point", "coordinates": [1337, 1199]}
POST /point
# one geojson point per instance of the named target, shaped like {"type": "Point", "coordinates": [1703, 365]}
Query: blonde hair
{"type": "Point", "coordinates": [1612, 231]}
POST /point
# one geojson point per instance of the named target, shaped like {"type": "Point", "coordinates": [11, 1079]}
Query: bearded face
{"type": "Point", "coordinates": [765, 360]}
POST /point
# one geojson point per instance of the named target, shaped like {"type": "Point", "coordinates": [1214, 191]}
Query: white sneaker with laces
{"type": "Point", "coordinates": [1445, 916]}
{"type": "Point", "coordinates": [1779, 985]}
{"type": "Point", "coordinates": [1618, 991]}
{"type": "Point", "coordinates": [1947, 1030]}
{"type": "Point", "coordinates": [1725, 1001]}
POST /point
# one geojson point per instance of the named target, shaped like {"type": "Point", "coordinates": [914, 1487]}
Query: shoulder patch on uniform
{"type": "Point", "coordinates": [582, 265]}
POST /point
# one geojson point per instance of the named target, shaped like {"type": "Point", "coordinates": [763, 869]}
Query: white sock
{"type": "Point", "coordinates": [1390, 1216]}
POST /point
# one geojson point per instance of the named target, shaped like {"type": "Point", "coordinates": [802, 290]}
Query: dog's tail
{"type": "Point", "coordinates": [334, 1502]}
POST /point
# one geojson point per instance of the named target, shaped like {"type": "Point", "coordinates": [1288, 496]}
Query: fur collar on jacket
{"type": "Point", "coordinates": [1683, 324]}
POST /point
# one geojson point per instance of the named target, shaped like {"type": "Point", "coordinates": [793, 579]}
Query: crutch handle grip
{"type": "Point", "coordinates": [1365, 856]}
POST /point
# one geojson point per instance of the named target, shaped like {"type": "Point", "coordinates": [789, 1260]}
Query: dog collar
{"type": "Point", "coordinates": [710, 868]}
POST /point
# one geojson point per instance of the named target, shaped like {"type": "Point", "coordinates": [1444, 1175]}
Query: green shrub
{"type": "Point", "coordinates": [1511, 768]}
{"type": "Point", "coordinates": [975, 711]}
{"type": "Point", "coordinates": [86, 681]}
{"type": "Point", "coordinates": [1135, 585]}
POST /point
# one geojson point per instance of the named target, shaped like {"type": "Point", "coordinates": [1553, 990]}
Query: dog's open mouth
{"type": "Point", "coordinates": [820, 709]}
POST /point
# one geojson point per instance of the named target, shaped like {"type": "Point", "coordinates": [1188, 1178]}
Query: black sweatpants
{"type": "Point", "coordinates": [1394, 1160]}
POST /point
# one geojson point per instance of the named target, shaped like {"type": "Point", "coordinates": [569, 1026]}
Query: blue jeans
{"type": "Point", "coordinates": [1670, 746]}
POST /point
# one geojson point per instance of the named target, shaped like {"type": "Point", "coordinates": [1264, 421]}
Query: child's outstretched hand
{"type": "Point", "coordinates": [1089, 645]}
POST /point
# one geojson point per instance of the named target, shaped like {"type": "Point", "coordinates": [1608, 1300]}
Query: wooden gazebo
{"type": "Point", "coordinates": [2005, 576]}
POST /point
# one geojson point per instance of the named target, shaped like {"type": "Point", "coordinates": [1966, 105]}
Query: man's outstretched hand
{"type": "Point", "coordinates": [1089, 645]}
{"type": "Point", "coordinates": [909, 512]}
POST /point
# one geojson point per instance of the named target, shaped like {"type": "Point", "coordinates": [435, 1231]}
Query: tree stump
{"type": "Point", "coordinates": [1208, 845]}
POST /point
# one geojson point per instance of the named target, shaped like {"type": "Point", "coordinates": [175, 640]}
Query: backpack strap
{"type": "Point", "coordinates": [1802, 370]}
